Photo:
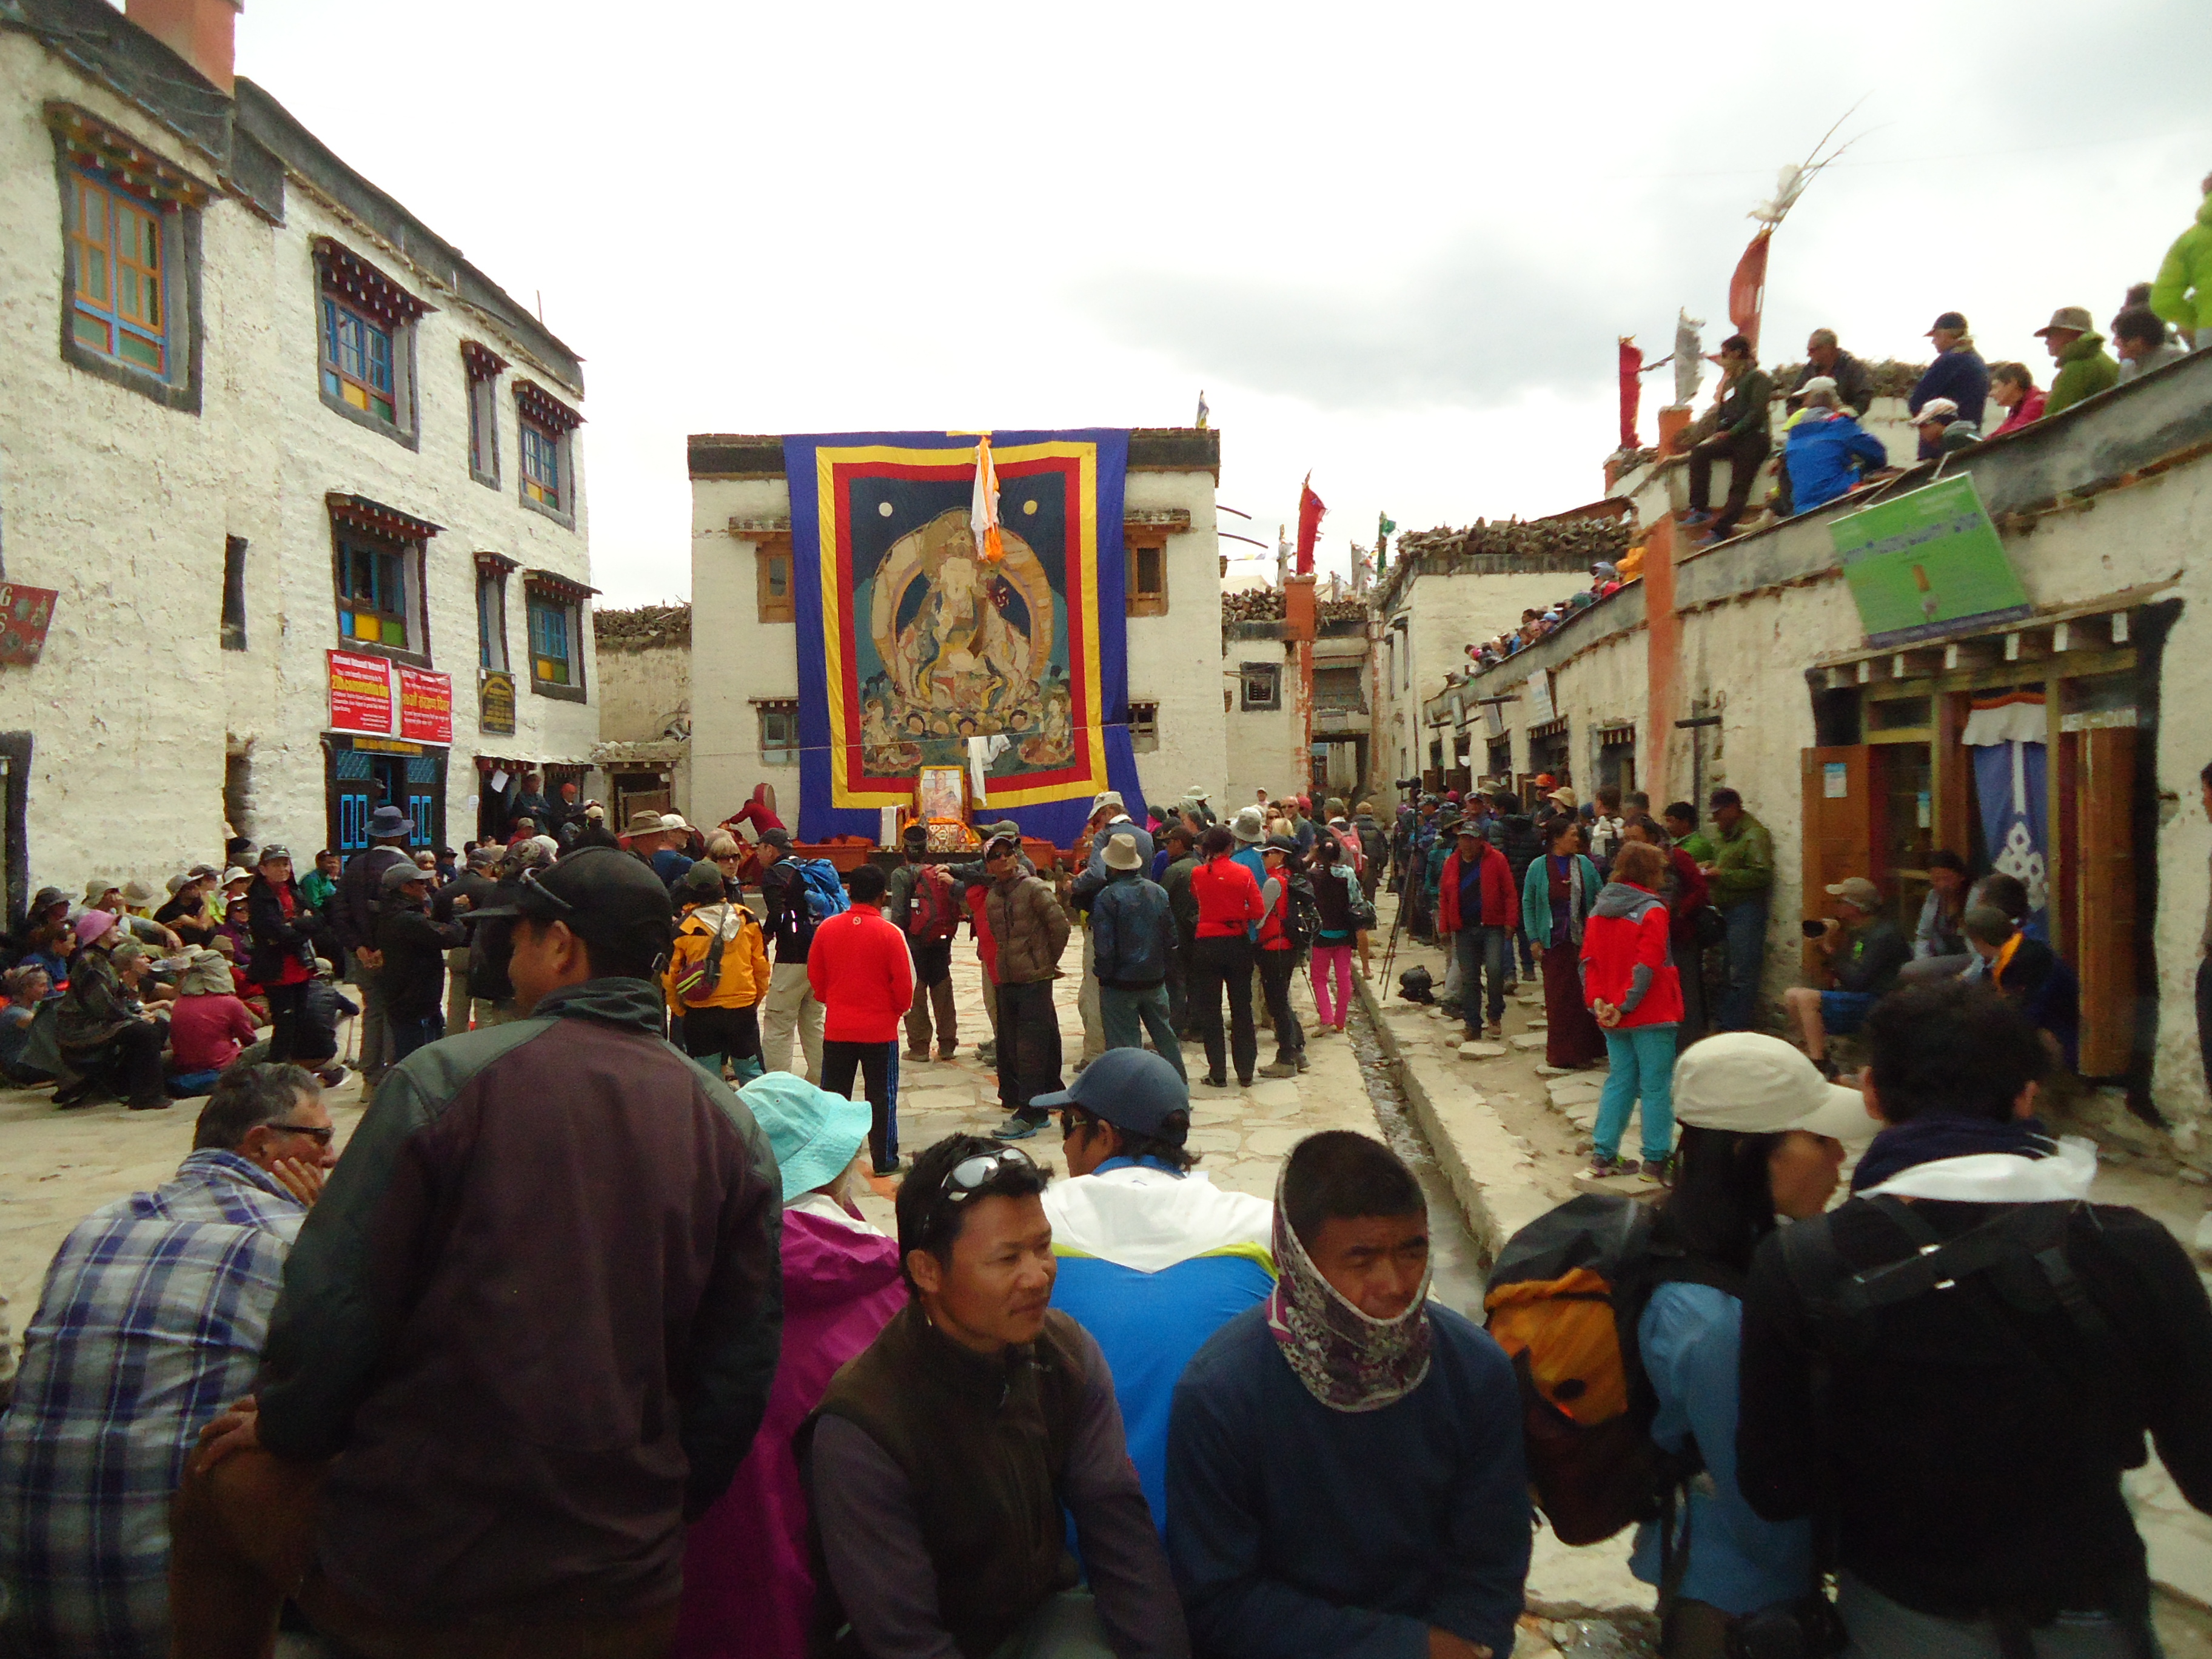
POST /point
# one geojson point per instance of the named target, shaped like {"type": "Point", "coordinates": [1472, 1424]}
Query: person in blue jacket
{"type": "Point", "coordinates": [1958, 373]}
{"type": "Point", "coordinates": [1346, 1477]}
{"type": "Point", "coordinates": [1153, 1257]}
{"type": "Point", "coordinates": [1763, 1136]}
{"type": "Point", "coordinates": [1828, 452]}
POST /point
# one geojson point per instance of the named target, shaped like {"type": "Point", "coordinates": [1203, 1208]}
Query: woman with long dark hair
{"type": "Point", "coordinates": [1335, 881]}
{"type": "Point", "coordinates": [1762, 1137]}
{"type": "Point", "coordinates": [1221, 955]}
{"type": "Point", "coordinates": [1556, 897]}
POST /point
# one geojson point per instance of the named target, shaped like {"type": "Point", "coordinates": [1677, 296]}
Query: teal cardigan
{"type": "Point", "coordinates": [1536, 899]}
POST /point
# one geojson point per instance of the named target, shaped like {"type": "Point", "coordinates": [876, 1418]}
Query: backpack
{"type": "Point", "coordinates": [823, 890]}
{"type": "Point", "coordinates": [1359, 907]}
{"type": "Point", "coordinates": [934, 913]}
{"type": "Point", "coordinates": [1300, 915]}
{"type": "Point", "coordinates": [1564, 1302]}
{"type": "Point", "coordinates": [704, 977]}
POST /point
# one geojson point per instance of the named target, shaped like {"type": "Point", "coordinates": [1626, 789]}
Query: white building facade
{"type": "Point", "coordinates": [744, 644]}
{"type": "Point", "coordinates": [252, 412]}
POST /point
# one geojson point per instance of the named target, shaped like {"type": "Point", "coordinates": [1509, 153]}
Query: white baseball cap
{"type": "Point", "coordinates": [1757, 1084]}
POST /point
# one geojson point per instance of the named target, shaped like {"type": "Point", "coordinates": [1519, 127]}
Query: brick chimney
{"type": "Point", "coordinates": [201, 32]}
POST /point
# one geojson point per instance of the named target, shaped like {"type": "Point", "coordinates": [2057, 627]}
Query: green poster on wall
{"type": "Point", "coordinates": [1928, 564]}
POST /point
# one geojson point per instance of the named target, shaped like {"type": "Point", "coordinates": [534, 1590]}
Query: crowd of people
{"type": "Point", "coordinates": [586, 1346]}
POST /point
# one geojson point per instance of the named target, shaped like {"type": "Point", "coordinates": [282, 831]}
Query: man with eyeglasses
{"type": "Point", "coordinates": [530, 1329]}
{"type": "Point", "coordinates": [1153, 1257]}
{"type": "Point", "coordinates": [945, 1461]}
{"type": "Point", "coordinates": [151, 1321]}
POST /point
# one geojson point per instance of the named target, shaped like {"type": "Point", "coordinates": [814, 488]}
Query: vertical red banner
{"type": "Point", "coordinates": [426, 706]}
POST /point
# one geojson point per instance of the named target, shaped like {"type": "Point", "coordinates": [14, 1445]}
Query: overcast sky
{"type": "Point", "coordinates": [1393, 244]}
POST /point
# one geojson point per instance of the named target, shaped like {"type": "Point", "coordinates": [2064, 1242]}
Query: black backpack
{"type": "Point", "coordinates": [1300, 915]}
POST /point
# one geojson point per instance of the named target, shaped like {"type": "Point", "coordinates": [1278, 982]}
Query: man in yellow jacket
{"type": "Point", "coordinates": [716, 975]}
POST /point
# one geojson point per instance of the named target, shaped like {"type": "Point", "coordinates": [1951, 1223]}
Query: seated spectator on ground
{"type": "Point", "coordinates": [50, 906]}
{"type": "Point", "coordinates": [111, 1045]}
{"type": "Point", "coordinates": [2013, 389]}
{"type": "Point", "coordinates": [2031, 974]}
{"type": "Point", "coordinates": [209, 1027]}
{"type": "Point", "coordinates": [1862, 949]}
{"type": "Point", "coordinates": [322, 1005]}
{"type": "Point", "coordinates": [234, 925]}
{"type": "Point", "coordinates": [749, 1589]}
{"type": "Point", "coordinates": [947, 1457]}
{"type": "Point", "coordinates": [2140, 341]}
{"type": "Point", "coordinates": [2084, 367]}
{"type": "Point", "coordinates": [1153, 1257]}
{"type": "Point", "coordinates": [102, 893]}
{"type": "Point", "coordinates": [320, 884]}
{"type": "Point", "coordinates": [1827, 452]}
{"type": "Point", "coordinates": [26, 989]}
{"type": "Point", "coordinates": [1939, 948]}
{"type": "Point", "coordinates": [1345, 1470]}
{"type": "Point", "coordinates": [2008, 893]}
{"type": "Point", "coordinates": [1763, 1138]}
{"type": "Point", "coordinates": [151, 1322]}
{"type": "Point", "coordinates": [50, 946]}
{"type": "Point", "coordinates": [1965, 1431]}
{"type": "Point", "coordinates": [187, 914]}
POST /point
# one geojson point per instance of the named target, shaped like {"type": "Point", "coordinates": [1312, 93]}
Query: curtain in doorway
{"type": "Point", "coordinates": [2007, 738]}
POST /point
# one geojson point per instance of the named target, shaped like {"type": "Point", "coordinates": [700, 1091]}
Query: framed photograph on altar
{"type": "Point", "coordinates": [941, 792]}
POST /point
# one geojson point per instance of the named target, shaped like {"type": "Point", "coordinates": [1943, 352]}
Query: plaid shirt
{"type": "Point", "coordinates": [152, 1321]}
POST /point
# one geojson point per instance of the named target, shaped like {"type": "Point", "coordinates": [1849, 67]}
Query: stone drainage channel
{"type": "Point", "coordinates": [1458, 1283]}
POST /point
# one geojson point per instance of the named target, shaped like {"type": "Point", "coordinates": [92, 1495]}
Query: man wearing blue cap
{"type": "Point", "coordinates": [1153, 1257]}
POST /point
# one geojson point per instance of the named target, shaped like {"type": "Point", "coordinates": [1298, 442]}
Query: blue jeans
{"type": "Point", "coordinates": [1747, 954]}
{"type": "Point", "coordinates": [1128, 1015]}
{"type": "Point", "coordinates": [1643, 1060]}
{"type": "Point", "coordinates": [409, 1034]}
{"type": "Point", "coordinates": [184, 1086]}
{"type": "Point", "coordinates": [1482, 949]}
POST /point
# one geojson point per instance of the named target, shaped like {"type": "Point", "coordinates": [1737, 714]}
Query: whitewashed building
{"type": "Point", "coordinates": [254, 412]}
{"type": "Point", "coordinates": [745, 658]}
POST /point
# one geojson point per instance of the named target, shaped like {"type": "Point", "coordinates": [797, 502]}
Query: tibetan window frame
{"type": "Point", "coordinates": [482, 368]}
{"type": "Point", "coordinates": [492, 571]}
{"type": "Point", "coordinates": [1144, 728]}
{"type": "Point", "coordinates": [1251, 676]}
{"type": "Point", "coordinates": [784, 711]}
{"type": "Point", "coordinates": [1147, 557]}
{"type": "Point", "coordinates": [546, 593]}
{"type": "Point", "coordinates": [165, 202]}
{"type": "Point", "coordinates": [545, 429]}
{"type": "Point", "coordinates": [357, 305]}
{"type": "Point", "coordinates": [360, 527]}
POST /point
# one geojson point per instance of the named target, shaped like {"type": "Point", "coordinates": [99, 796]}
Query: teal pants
{"type": "Point", "coordinates": [1643, 1060]}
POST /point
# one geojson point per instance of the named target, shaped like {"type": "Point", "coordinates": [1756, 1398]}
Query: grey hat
{"type": "Point", "coordinates": [484, 855]}
{"type": "Point", "coordinates": [399, 875]}
{"type": "Point", "coordinates": [388, 823]}
{"type": "Point", "coordinates": [1248, 826]}
{"type": "Point", "coordinates": [1121, 853]}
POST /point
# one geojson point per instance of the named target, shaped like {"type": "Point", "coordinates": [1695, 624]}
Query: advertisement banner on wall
{"type": "Point", "coordinates": [360, 693]}
{"type": "Point", "coordinates": [426, 706]}
{"type": "Point", "coordinates": [1926, 564]}
{"type": "Point", "coordinates": [25, 613]}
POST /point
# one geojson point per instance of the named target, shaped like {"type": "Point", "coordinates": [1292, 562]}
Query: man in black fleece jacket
{"type": "Point", "coordinates": [1970, 1437]}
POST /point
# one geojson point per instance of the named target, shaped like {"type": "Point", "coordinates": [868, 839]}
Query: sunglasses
{"type": "Point", "coordinates": [1072, 1120]}
{"type": "Point", "coordinates": [321, 1137]}
{"type": "Point", "coordinates": [972, 1172]}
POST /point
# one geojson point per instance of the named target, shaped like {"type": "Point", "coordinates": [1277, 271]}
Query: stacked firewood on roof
{"type": "Point", "coordinates": [643, 628]}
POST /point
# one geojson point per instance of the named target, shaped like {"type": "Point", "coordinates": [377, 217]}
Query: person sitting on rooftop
{"type": "Point", "coordinates": [1827, 452]}
{"type": "Point", "coordinates": [2084, 367]}
{"type": "Point", "coordinates": [2139, 336]}
{"type": "Point", "coordinates": [2013, 389]}
{"type": "Point", "coordinates": [1943, 431]}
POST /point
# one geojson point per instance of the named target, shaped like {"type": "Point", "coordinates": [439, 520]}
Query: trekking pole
{"type": "Point", "coordinates": [1390, 948]}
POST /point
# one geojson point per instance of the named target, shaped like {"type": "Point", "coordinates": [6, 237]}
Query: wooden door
{"type": "Point", "coordinates": [2104, 920]}
{"type": "Point", "coordinates": [1842, 814]}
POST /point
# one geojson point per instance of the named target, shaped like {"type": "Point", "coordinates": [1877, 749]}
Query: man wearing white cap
{"type": "Point", "coordinates": [1764, 1136]}
{"type": "Point", "coordinates": [1824, 451]}
{"type": "Point", "coordinates": [1959, 1365]}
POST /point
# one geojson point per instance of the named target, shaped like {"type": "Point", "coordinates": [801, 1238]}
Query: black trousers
{"type": "Point", "coordinates": [1277, 969]}
{"type": "Point", "coordinates": [1029, 1047]}
{"type": "Point", "coordinates": [1216, 965]}
{"type": "Point", "coordinates": [872, 1060]}
{"type": "Point", "coordinates": [285, 1002]}
{"type": "Point", "coordinates": [1179, 988]}
{"type": "Point", "coordinates": [1745, 456]}
{"type": "Point", "coordinates": [2204, 1012]}
{"type": "Point", "coordinates": [724, 1033]}
{"type": "Point", "coordinates": [128, 1064]}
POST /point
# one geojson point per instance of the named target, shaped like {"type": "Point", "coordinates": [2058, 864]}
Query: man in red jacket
{"type": "Point", "coordinates": [1478, 909]}
{"type": "Point", "coordinates": [862, 974]}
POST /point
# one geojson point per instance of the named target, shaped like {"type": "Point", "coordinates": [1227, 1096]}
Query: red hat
{"type": "Point", "coordinates": [1546, 780]}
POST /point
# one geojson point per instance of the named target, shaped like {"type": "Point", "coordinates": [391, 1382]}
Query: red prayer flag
{"type": "Point", "coordinates": [1747, 288]}
{"type": "Point", "coordinates": [1631, 389]}
{"type": "Point", "coordinates": [1310, 513]}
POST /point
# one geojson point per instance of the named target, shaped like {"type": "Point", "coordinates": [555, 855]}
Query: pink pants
{"type": "Point", "coordinates": [1332, 960]}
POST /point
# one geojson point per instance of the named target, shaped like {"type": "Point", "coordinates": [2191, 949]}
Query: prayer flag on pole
{"type": "Point", "coordinates": [1310, 510]}
{"type": "Point", "coordinates": [983, 512]}
{"type": "Point", "coordinates": [1747, 288]}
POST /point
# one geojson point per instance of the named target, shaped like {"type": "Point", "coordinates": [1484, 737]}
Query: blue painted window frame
{"type": "Point", "coordinates": [541, 463]}
{"type": "Point", "coordinates": [548, 638]}
{"type": "Point", "coordinates": [109, 313]}
{"type": "Point", "coordinates": [357, 350]}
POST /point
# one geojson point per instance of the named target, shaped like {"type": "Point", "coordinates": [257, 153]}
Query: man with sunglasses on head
{"type": "Point", "coordinates": [152, 1318]}
{"type": "Point", "coordinates": [530, 1332]}
{"type": "Point", "coordinates": [945, 1461]}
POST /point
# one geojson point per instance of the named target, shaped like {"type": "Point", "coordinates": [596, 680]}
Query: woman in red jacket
{"type": "Point", "coordinates": [861, 972]}
{"type": "Point", "coordinates": [1686, 893]}
{"type": "Point", "coordinates": [1228, 901]}
{"type": "Point", "coordinates": [1629, 979]}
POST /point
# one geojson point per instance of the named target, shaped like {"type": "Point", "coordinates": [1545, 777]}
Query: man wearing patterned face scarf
{"type": "Point", "coordinates": [1345, 1473]}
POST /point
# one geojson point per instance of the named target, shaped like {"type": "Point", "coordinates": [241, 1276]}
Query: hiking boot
{"type": "Point", "coordinates": [1602, 1168]}
{"type": "Point", "coordinates": [1215, 1082]}
{"type": "Point", "coordinates": [1660, 1170]}
{"type": "Point", "coordinates": [1281, 1068]}
{"type": "Point", "coordinates": [1303, 1067]}
{"type": "Point", "coordinates": [897, 1166]}
{"type": "Point", "coordinates": [1497, 1029]}
{"type": "Point", "coordinates": [922, 1058]}
{"type": "Point", "coordinates": [1698, 516]}
{"type": "Point", "coordinates": [1016, 1127]}
{"type": "Point", "coordinates": [986, 1054]}
{"type": "Point", "coordinates": [948, 1051]}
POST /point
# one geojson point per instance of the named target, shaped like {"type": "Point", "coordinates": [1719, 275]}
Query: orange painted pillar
{"type": "Point", "coordinates": [1663, 640]}
{"type": "Point", "coordinates": [1298, 627]}
{"type": "Point", "coordinates": [1673, 420]}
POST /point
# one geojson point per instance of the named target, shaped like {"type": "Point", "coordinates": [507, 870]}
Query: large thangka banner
{"type": "Point", "coordinates": [911, 646]}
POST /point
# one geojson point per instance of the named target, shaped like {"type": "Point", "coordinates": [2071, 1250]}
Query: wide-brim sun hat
{"type": "Point", "coordinates": [813, 1132]}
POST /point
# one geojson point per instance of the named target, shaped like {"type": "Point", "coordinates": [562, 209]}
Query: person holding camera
{"type": "Point", "coordinates": [1862, 950]}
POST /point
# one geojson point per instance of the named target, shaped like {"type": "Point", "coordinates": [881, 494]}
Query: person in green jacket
{"type": "Point", "coordinates": [2085, 367]}
{"type": "Point", "coordinates": [1739, 436]}
{"type": "Point", "coordinates": [1683, 829]}
{"type": "Point", "coordinates": [2183, 293]}
{"type": "Point", "coordinates": [1741, 877]}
